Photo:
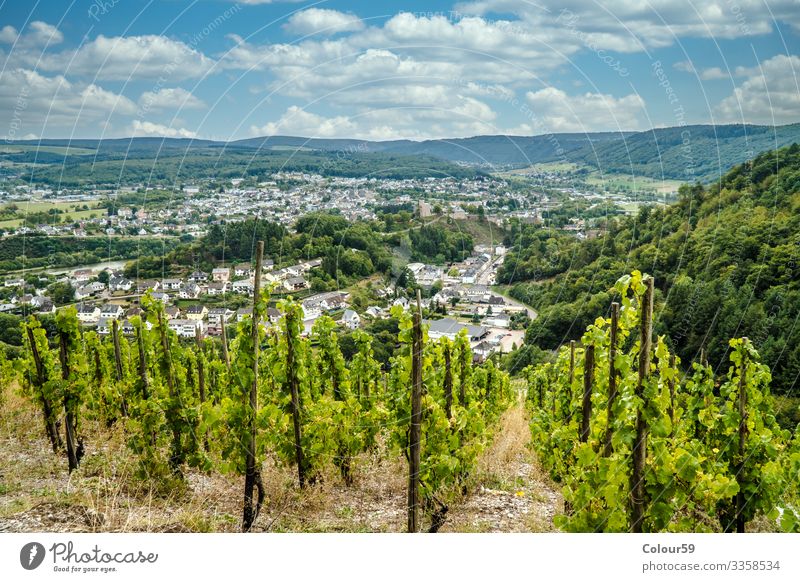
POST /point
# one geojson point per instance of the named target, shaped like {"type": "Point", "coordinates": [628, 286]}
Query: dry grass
{"type": "Point", "coordinates": [104, 495]}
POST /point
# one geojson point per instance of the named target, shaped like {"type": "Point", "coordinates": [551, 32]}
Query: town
{"type": "Point", "coordinates": [203, 302]}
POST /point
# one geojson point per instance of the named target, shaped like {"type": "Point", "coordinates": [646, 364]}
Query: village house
{"type": "Point", "coordinates": [171, 284]}
{"type": "Point", "coordinates": [196, 312]}
{"type": "Point", "coordinates": [120, 284]}
{"type": "Point", "coordinates": [88, 313]}
{"type": "Point", "coordinates": [173, 312]}
{"type": "Point", "coordinates": [111, 311]}
{"type": "Point", "coordinates": [189, 291]}
{"type": "Point", "coordinates": [244, 287]}
{"type": "Point", "coordinates": [218, 315]}
{"type": "Point", "coordinates": [146, 285]}
{"type": "Point", "coordinates": [217, 288]}
{"type": "Point", "coordinates": [161, 296]}
{"type": "Point", "coordinates": [450, 328]}
{"type": "Point", "coordinates": [221, 274]}
{"type": "Point", "coordinates": [185, 327]}
{"type": "Point", "coordinates": [295, 284]}
{"type": "Point", "coordinates": [351, 319]}
{"type": "Point", "coordinates": [82, 275]}
{"type": "Point", "coordinates": [83, 292]}
{"type": "Point", "coordinates": [198, 277]}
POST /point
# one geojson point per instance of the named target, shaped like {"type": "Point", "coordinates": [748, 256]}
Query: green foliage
{"type": "Point", "coordinates": [694, 467]}
{"type": "Point", "coordinates": [724, 256]}
{"type": "Point", "coordinates": [437, 244]}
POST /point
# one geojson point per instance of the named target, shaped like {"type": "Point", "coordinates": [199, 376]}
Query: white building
{"type": "Point", "coordinates": [351, 319]}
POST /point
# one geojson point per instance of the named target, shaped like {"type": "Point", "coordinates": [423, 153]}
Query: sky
{"type": "Point", "coordinates": [226, 70]}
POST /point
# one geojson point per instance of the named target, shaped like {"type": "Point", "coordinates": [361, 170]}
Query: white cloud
{"type": "Point", "coordinates": [146, 128]}
{"type": "Point", "coordinates": [8, 34]}
{"type": "Point", "coordinates": [131, 57]}
{"type": "Point", "coordinates": [466, 116]}
{"type": "Point", "coordinates": [297, 121]}
{"type": "Point", "coordinates": [322, 21]}
{"type": "Point", "coordinates": [169, 98]}
{"type": "Point", "coordinates": [31, 101]}
{"type": "Point", "coordinates": [37, 34]}
{"type": "Point", "coordinates": [769, 95]}
{"type": "Point", "coordinates": [553, 110]}
{"type": "Point", "coordinates": [631, 25]}
{"type": "Point", "coordinates": [709, 74]}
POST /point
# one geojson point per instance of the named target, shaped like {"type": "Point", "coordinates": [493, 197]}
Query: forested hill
{"type": "Point", "coordinates": [726, 261]}
{"type": "Point", "coordinates": [691, 153]}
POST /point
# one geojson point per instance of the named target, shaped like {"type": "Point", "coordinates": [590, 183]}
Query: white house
{"type": "Point", "coordinates": [83, 292]}
{"type": "Point", "coordinates": [245, 287]}
{"type": "Point", "coordinates": [185, 327]}
{"type": "Point", "coordinates": [111, 311]}
{"type": "Point", "coordinates": [88, 313]}
{"type": "Point", "coordinates": [189, 291]}
{"type": "Point", "coordinates": [218, 315]}
{"type": "Point", "coordinates": [351, 319]}
{"type": "Point", "coordinates": [120, 284]}
{"type": "Point", "coordinates": [171, 284]}
{"type": "Point", "coordinates": [217, 288]}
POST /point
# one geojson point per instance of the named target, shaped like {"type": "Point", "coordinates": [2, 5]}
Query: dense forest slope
{"type": "Point", "coordinates": [726, 261]}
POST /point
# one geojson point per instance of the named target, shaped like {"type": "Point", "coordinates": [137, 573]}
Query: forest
{"type": "Point", "coordinates": [725, 259]}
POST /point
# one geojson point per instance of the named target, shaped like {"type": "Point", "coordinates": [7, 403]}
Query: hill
{"type": "Point", "coordinates": [691, 153]}
{"type": "Point", "coordinates": [725, 260]}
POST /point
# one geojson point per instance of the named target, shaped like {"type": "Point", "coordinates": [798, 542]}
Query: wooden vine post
{"type": "Point", "coordinates": [608, 448]}
{"type": "Point", "coordinates": [588, 379]}
{"type": "Point", "coordinates": [173, 412]}
{"type": "Point", "coordinates": [671, 410]}
{"type": "Point", "coordinates": [70, 420]}
{"type": "Point", "coordinates": [294, 389]}
{"type": "Point", "coordinates": [142, 361]}
{"type": "Point", "coordinates": [638, 493]}
{"type": "Point", "coordinates": [252, 478]}
{"type": "Point", "coordinates": [448, 381]}
{"type": "Point", "coordinates": [416, 419]}
{"type": "Point", "coordinates": [225, 355]}
{"type": "Point", "coordinates": [741, 456]}
{"type": "Point", "coordinates": [118, 363]}
{"type": "Point", "coordinates": [50, 423]}
{"type": "Point", "coordinates": [463, 371]}
{"type": "Point", "coordinates": [201, 375]}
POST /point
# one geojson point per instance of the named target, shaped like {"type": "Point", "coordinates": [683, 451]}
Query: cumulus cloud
{"type": "Point", "coordinates": [322, 21]}
{"type": "Point", "coordinates": [770, 94]}
{"type": "Point", "coordinates": [626, 25]}
{"type": "Point", "coordinates": [148, 129]}
{"type": "Point", "coordinates": [467, 117]}
{"type": "Point", "coordinates": [553, 110]}
{"type": "Point", "coordinates": [37, 34]}
{"type": "Point", "coordinates": [169, 98]}
{"type": "Point", "coordinates": [34, 102]}
{"type": "Point", "coordinates": [131, 57]}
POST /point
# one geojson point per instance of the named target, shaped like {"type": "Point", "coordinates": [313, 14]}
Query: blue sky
{"type": "Point", "coordinates": [221, 69]}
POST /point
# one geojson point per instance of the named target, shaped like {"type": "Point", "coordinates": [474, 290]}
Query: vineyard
{"type": "Point", "coordinates": [634, 440]}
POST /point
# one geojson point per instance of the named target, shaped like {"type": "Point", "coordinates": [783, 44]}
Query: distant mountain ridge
{"type": "Point", "coordinates": [696, 152]}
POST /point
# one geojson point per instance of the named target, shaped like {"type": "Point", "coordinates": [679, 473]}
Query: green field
{"type": "Point", "coordinates": [633, 183]}
{"type": "Point", "coordinates": [69, 151]}
{"type": "Point", "coordinates": [68, 209]}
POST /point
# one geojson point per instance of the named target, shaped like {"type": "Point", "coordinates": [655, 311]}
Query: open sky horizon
{"type": "Point", "coordinates": [225, 70]}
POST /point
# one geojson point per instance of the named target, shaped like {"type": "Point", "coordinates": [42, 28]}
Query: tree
{"type": "Point", "coordinates": [61, 293]}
